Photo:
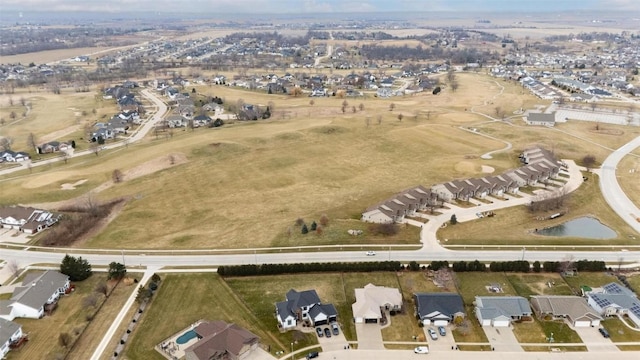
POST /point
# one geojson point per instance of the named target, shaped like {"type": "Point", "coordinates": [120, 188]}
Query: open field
{"type": "Point", "coordinates": [628, 174]}
{"type": "Point", "coordinates": [472, 284]}
{"type": "Point", "coordinates": [309, 159]}
{"type": "Point", "coordinates": [517, 225]}
{"type": "Point", "coordinates": [210, 298]}
{"type": "Point", "coordinates": [69, 317]}
{"type": "Point", "coordinates": [43, 57]}
{"type": "Point", "coordinates": [539, 284]}
{"type": "Point", "coordinates": [589, 279]}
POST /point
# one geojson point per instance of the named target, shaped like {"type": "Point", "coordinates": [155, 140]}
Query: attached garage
{"type": "Point", "coordinates": [582, 323]}
{"type": "Point", "coordinates": [370, 321]}
{"type": "Point", "coordinates": [440, 323]}
{"type": "Point", "coordinates": [501, 323]}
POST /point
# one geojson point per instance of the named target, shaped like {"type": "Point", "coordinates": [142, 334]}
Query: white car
{"type": "Point", "coordinates": [421, 350]}
{"type": "Point", "coordinates": [433, 334]}
{"type": "Point", "coordinates": [371, 253]}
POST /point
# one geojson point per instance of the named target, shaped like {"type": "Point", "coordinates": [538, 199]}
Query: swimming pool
{"type": "Point", "coordinates": [184, 338]}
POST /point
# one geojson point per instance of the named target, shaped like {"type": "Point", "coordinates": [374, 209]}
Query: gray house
{"type": "Point", "coordinates": [500, 311]}
{"type": "Point", "coordinates": [438, 309]}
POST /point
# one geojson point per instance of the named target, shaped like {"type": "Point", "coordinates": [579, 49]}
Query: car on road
{"type": "Point", "coordinates": [371, 253]}
{"type": "Point", "coordinates": [319, 332]}
{"type": "Point", "coordinates": [442, 331]}
{"type": "Point", "coordinates": [421, 350]}
{"type": "Point", "coordinates": [327, 332]}
{"type": "Point", "coordinates": [312, 355]}
{"type": "Point", "coordinates": [432, 334]}
{"type": "Point", "coordinates": [604, 332]}
{"type": "Point", "coordinates": [335, 329]}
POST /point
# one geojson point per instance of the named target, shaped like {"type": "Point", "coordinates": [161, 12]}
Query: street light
{"type": "Point", "coordinates": [292, 350]}
{"type": "Point", "coordinates": [524, 249]}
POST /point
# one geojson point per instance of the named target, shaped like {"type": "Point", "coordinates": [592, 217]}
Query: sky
{"type": "Point", "coordinates": [315, 6]}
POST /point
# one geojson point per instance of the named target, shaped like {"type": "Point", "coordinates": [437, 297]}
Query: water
{"type": "Point", "coordinates": [184, 338]}
{"type": "Point", "coordinates": [583, 227]}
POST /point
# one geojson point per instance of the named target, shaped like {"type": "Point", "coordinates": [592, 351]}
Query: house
{"type": "Point", "coordinates": [438, 309]}
{"type": "Point", "coordinates": [38, 290]}
{"type": "Point", "coordinates": [500, 311]}
{"type": "Point", "coordinates": [176, 120]}
{"type": "Point", "coordinates": [220, 340]}
{"type": "Point", "coordinates": [572, 308]}
{"type": "Point", "coordinates": [52, 146]}
{"type": "Point", "coordinates": [541, 119]}
{"type": "Point", "coordinates": [372, 300]}
{"type": "Point", "coordinates": [105, 132]}
{"type": "Point", "coordinates": [201, 120]}
{"type": "Point", "coordinates": [615, 300]}
{"type": "Point", "coordinates": [13, 156]}
{"type": "Point", "coordinates": [304, 306]}
{"type": "Point", "coordinates": [10, 334]}
{"type": "Point", "coordinates": [26, 219]}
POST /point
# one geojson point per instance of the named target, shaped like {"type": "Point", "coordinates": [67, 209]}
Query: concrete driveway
{"type": "Point", "coordinates": [443, 343]}
{"type": "Point", "coordinates": [594, 341]}
{"type": "Point", "coordinates": [502, 339]}
{"type": "Point", "coordinates": [369, 337]}
{"type": "Point", "coordinates": [335, 342]}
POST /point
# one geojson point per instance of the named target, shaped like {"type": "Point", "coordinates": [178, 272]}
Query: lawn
{"type": "Point", "coordinates": [517, 224]}
{"type": "Point", "coordinates": [619, 332]}
{"type": "Point", "coordinates": [628, 174]}
{"type": "Point", "coordinates": [69, 317]}
{"type": "Point", "coordinates": [94, 332]}
{"type": "Point", "coordinates": [538, 331]}
{"type": "Point", "coordinates": [539, 284]}
{"type": "Point", "coordinates": [591, 279]}
{"type": "Point", "coordinates": [472, 284]}
{"type": "Point", "coordinates": [209, 298]}
{"type": "Point", "coordinates": [470, 331]}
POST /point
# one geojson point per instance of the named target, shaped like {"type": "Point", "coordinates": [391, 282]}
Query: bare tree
{"type": "Point", "coordinates": [367, 121]}
{"type": "Point", "coordinates": [90, 300]}
{"type": "Point", "coordinates": [117, 176]}
{"type": "Point", "coordinates": [400, 117]}
{"type": "Point", "coordinates": [272, 106]}
{"type": "Point", "coordinates": [6, 143]}
{"type": "Point", "coordinates": [428, 114]}
{"type": "Point", "coordinates": [14, 268]}
{"type": "Point", "coordinates": [10, 101]}
{"type": "Point", "coordinates": [95, 148]}
{"type": "Point", "coordinates": [454, 85]}
{"type": "Point", "coordinates": [64, 339]}
{"type": "Point", "coordinates": [31, 141]}
{"type": "Point", "coordinates": [361, 107]}
{"type": "Point", "coordinates": [13, 115]}
{"type": "Point", "coordinates": [22, 101]}
{"type": "Point", "coordinates": [312, 102]}
{"type": "Point", "coordinates": [593, 106]}
{"type": "Point", "coordinates": [379, 119]}
{"type": "Point", "coordinates": [102, 288]}
{"type": "Point", "coordinates": [392, 106]}
{"type": "Point", "coordinates": [589, 161]}
{"type": "Point", "coordinates": [64, 156]}
{"type": "Point", "coordinates": [172, 159]}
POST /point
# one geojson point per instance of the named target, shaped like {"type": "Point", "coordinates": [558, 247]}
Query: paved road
{"type": "Point", "coordinates": [611, 190]}
{"type": "Point", "coordinates": [465, 355]}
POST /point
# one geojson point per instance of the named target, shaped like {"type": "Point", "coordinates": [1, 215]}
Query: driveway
{"type": "Point", "coordinates": [594, 341]}
{"type": "Point", "coordinates": [443, 343]}
{"type": "Point", "coordinates": [335, 342]}
{"type": "Point", "coordinates": [369, 337]}
{"type": "Point", "coordinates": [502, 339]}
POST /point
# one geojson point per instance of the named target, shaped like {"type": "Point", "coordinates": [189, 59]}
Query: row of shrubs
{"type": "Point", "coordinates": [458, 266]}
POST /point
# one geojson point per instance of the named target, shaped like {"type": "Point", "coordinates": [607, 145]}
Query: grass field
{"type": "Point", "coordinates": [538, 284]}
{"type": "Point", "coordinates": [472, 284]}
{"type": "Point", "coordinates": [589, 279]}
{"type": "Point", "coordinates": [308, 160]}
{"type": "Point", "coordinates": [69, 317]}
{"type": "Point", "coordinates": [620, 333]}
{"type": "Point", "coordinates": [628, 173]}
{"type": "Point", "coordinates": [209, 298]}
{"type": "Point", "coordinates": [538, 331]}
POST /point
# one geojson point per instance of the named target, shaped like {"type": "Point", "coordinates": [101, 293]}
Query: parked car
{"type": "Point", "coordinates": [421, 350]}
{"type": "Point", "coordinates": [442, 331]}
{"type": "Point", "coordinates": [327, 332]}
{"type": "Point", "coordinates": [319, 331]}
{"type": "Point", "coordinates": [371, 253]}
{"type": "Point", "coordinates": [604, 332]}
{"type": "Point", "coordinates": [335, 329]}
{"type": "Point", "coordinates": [432, 334]}
{"type": "Point", "coordinates": [312, 355]}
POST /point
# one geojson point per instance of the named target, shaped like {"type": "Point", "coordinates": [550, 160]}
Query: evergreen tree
{"type": "Point", "coordinates": [116, 270]}
{"type": "Point", "coordinates": [305, 229]}
{"type": "Point", "coordinates": [77, 269]}
{"type": "Point", "coordinates": [454, 219]}
{"type": "Point", "coordinates": [313, 226]}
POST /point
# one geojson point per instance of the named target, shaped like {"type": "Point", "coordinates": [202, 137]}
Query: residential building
{"type": "Point", "coordinates": [304, 306]}
{"type": "Point", "coordinates": [10, 334]}
{"type": "Point", "coordinates": [614, 299]}
{"type": "Point", "coordinates": [438, 309]}
{"type": "Point", "coordinates": [372, 301]}
{"type": "Point", "coordinates": [572, 308]}
{"type": "Point", "coordinates": [26, 219]}
{"type": "Point", "coordinates": [220, 340]}
{"type": "Point", "coordinates": [500, 311]}
{"type": "Point", "coordinates": [38, 291]}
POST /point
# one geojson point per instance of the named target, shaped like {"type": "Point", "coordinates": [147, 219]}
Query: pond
{"type": "Point", "coordinates": [583, 227]}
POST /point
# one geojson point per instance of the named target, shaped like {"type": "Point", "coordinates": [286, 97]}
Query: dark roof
{"type": "Point", "coordinates": [445, 303]}
{"type": "Point", "coordinates": [219, 337]}
{"type": "Point", "coordinates": [302, 298]}
{"type": "Point", "coordinates": [327, 309]}
{"type": "Point", "coordinates": [7, 330]}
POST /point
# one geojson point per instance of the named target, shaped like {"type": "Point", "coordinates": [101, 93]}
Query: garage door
{"type": "Point", "coordinates": [321, 322]}
{"type": "Point", "coordinates": [582, 324]}
{"type": "Point", "coordinates": [371, 321]}
{"type": "Point", "coordinates": [501, 323]}
{"type": "Point", "coordinates": [359, 320]}
{"type": "Point", "coordinates": [440, 323]}
{"type": "Point", "coordinates": [426, 322]}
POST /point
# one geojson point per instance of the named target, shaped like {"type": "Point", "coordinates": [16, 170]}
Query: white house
{"type": "Point", "coordinates": [613, 300]}
{"type": "Point", "coordinates": [26, 219]}
{"type": "Point", "coordinates": [10, 333]}
{"type": "Point", "coordinates": [371, 300]}
{"type": "Point", "coordinates": [304, 306]}
{"type": "Point", "coordinates": [37, 291]}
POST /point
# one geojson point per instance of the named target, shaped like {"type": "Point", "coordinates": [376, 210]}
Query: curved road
{"type": "Point", "coordinates": [611, 190]}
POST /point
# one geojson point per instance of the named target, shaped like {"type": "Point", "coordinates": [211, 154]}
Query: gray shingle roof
{"type": "Point", "coordinates": [445, 303]}
{"type": "Point", "coordinates": [509, 306]}
{"type": "Point", "coordinates": [35, 293]}
{"type": "Point", "coordinates": [7, 329]}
